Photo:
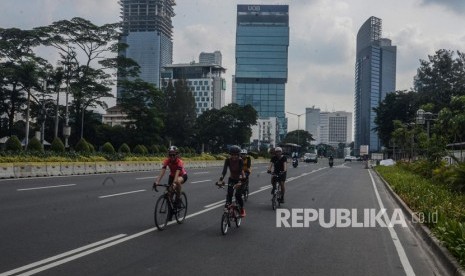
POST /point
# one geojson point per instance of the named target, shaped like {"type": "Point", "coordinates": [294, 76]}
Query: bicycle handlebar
{"type": "Point", "coordinates": [162, 185]}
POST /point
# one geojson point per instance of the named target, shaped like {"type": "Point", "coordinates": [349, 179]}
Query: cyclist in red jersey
{"type": "Point", "coordinates": [178, 174]}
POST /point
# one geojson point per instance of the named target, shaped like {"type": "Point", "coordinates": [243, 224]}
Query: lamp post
{"type": "Point", "coordinates": [298, 124]}
{"type": "Point", "coordinates": [425, 117]}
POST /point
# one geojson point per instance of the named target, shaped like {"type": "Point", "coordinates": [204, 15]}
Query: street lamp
{"type": "Point", "coordinates": [424, 116]}
{"type": "Point", "coordinates": [298, 123]}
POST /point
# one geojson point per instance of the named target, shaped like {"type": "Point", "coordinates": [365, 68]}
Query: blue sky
{"type": "Point", "coordinates": [322, 39]}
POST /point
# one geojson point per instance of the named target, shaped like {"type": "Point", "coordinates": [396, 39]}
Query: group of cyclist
{"type": "Point", "coordinates": [239, 165]}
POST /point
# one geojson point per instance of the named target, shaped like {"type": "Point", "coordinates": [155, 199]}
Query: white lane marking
{"type": "Point", "coordinates": [96, 249]}
{"type": "Point", "coordinates": [265, 187]}
{"type": "Point", "coordinates": [201, 172]}
{"type": "Point", "coordinates": [395, 239]}
{"type": "Point", "coordinates": [59, 256]}
{"type": "Point", "coordinates": [74, 175]}
{"type": "Point", "coordinates": [210, 205]}
{"type": "Point", "coordinates": [46, 187]}
{"type": "Point", "coordinates": [105, 196]}
{"type": "Point", "coordinates": [149, 177]}
{"type": "Point", "coordinates": [200, 181]}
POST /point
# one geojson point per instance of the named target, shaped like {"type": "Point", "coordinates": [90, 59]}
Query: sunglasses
{"type": "Point", "coordinates": [172, 155]}
{"type": "Point", "coordinates": [234, 154]}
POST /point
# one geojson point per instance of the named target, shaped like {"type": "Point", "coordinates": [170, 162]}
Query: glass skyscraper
{"type": "Point", "coordinates": [262, 41]}
{"type": "Point", "coordinates": [148, 30]}
{"type": "Point", "coordinates": [375, 76]}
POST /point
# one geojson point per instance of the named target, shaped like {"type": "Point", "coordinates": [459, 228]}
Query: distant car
{"type": "Point", "coordinates": [310, 157]}
{"type": "Point", "coordinates": [350, 158]}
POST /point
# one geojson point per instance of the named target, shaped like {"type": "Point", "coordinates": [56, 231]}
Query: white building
{"type": "Point", "coordinates": [115, 116]}
{"type": "Point", "coordinates": [264, 133]}
{"type": "Point", "coordinates": [204, 80]}
{"type": "Point", "coordinates": [335, 128]}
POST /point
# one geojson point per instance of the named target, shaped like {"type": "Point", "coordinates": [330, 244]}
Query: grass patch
{"type": "Point", "coordinates": [425, 196]}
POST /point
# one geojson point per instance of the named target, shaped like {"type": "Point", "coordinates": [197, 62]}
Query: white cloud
{"type": "Point", "coordinates": [322, 41]}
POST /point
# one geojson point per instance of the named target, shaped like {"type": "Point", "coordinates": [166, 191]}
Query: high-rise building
{"type": "Point", "coordinates": [264, 133]}
{"type": "Point", "coordinates": [204, 80]}
{"type": "Point", "coordinates": [147, 30]}
{"type": "Point", "coordinates": [262, 41]}
{"type": "Point", "coordinates": [211, 58]}
{"type": "Point", "coordinates": [375, 76]}
{"type": "Point", "coordinates": [312, 123]}
{"type": "Point", "coordinates": [335, 128]}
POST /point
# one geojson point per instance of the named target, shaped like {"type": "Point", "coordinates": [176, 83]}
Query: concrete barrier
{"type": "Point", "coordinates": [91, 168]}
{"type": "Point", "coordinates": [100, 167]}
{"type": "Point", "coordinates": [53, 169]}
{"type": "Point", "coordinates": [66, 168]}
{"type": "Point", "coordinates": [79, 168]}
{"type": "Point", "coordinates": [7, 170]}
{"type": "Point", "coordinates": [11, 170]}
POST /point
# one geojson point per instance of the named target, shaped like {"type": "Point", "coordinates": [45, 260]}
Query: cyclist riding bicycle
{"type": "Point", "coordinates": [279, 164]}
{"type": "Point", "coordinates": [178, 174]}
{"type": "Point", "coordinates": [247, 163]}
{"type": "Point", "coordinates": [235, 165]}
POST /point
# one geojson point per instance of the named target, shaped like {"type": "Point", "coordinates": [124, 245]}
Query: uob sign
{"type": "Point", "coordinates": [254, 8]}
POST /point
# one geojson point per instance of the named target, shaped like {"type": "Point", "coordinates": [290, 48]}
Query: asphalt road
{"type": "Point", "coordinates": [103, 225]}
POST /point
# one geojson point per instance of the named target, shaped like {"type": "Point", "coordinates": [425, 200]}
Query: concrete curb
{"type": "Point", "coordinates": [444, 257]}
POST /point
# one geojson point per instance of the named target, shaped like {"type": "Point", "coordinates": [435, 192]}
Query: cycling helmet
{"type": "Point", "coordinates": [234, 150]}
{"type": "Point", "coordinates": [173, 150]}
{"type": "Point", "coordinates": [278, 149]}
{"type": "Point", "coordinates": [243, 151]}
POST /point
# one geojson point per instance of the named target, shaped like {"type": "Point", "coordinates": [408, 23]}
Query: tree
{"type": "Point", "coordinates": [300, 137]}
{"type": "Point", "coordinates": [229, 125]}
{"type": "Point", "coordinates": [180, 107]}
{"type": "Point", "coordinates": [89, 83]}
{"type": "Point", "coordinates": [440, 78]}
{"type": "Point", "coordinates": [143, 103]}
{"type": "Point", "coordinates": [399, 105]}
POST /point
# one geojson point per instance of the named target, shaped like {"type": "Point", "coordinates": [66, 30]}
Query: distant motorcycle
{"type": "Point", "coordinates": [295, 162]}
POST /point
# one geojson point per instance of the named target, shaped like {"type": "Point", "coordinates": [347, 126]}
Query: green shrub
{"type": "Point", "coordinates": [91, 147]}
{"type": "Point", "coordinates": [163, 149]}
{"type": "Point", "coordinates": [57, 145]}
{"type": "Point", "coordinates": [82, 146]}
{"type": "Point", "coordinates": [124, 148]}
{"type": "Point", "coordinates": [456, 177]}
{"type": "Point", "coordinates": [108, 148]}
{"type": "Point", "coordinates": [140, 149]}
{"type": "Point", "coordinates": [13, 144]}
{"type": "Point", "coordinates": [146, 151]}
{"type": "Point", "coordinates": [34, 145]}
{"type": "Point", "coordinates": [154, 149]}
{"type": "Point", "coordinates": [253, 154]}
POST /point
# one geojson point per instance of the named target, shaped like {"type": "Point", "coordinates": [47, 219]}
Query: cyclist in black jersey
{"type": "Point", "coordinates": [278, 163]}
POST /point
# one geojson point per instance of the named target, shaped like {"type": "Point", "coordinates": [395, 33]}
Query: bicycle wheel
{"type": "Point", "coordinates": [278, 197]}
{"type": "Point", "coordinates": [181, 209]}
{"type": "Point", "coordinates": [245, 192]}
{"type": "Point", "coordinates": [224, 223]}
{"type": "Point", "coordinates": [273, 201]}
{"type": "Point", "coordinates": [237, 217]}
{"type": "Point", "coordinates": [162, 212]}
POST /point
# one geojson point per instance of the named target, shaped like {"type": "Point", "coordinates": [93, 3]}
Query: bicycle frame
{"type": "Point", "coordinates": [230, 213]}
{"type": "Point", "coordinates": [166, 206]}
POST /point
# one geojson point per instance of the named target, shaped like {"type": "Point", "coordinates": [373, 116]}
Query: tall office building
{"type": "Point", "coordinates": [148, 31]}
{"type": "Point", "coordinates": [204, 80]}
{"type": "Point", "coordinates": [211, 58]}
{"type": "Point", "coordinates": [375, 76]}
{"type": "Point", "coordinates": [312, 123]}
{"type": "Point", "coordinates": [262, 41]}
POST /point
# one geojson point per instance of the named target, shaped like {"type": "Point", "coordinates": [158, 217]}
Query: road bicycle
{"type": "Point", "coordinates": [276, 196]}
{"type": "Point", "coordinates": [165, 207]}
{"type": "Point", "coordinates": [231, 213]}
{"type": "Point", "coordinates": [245, 189]}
